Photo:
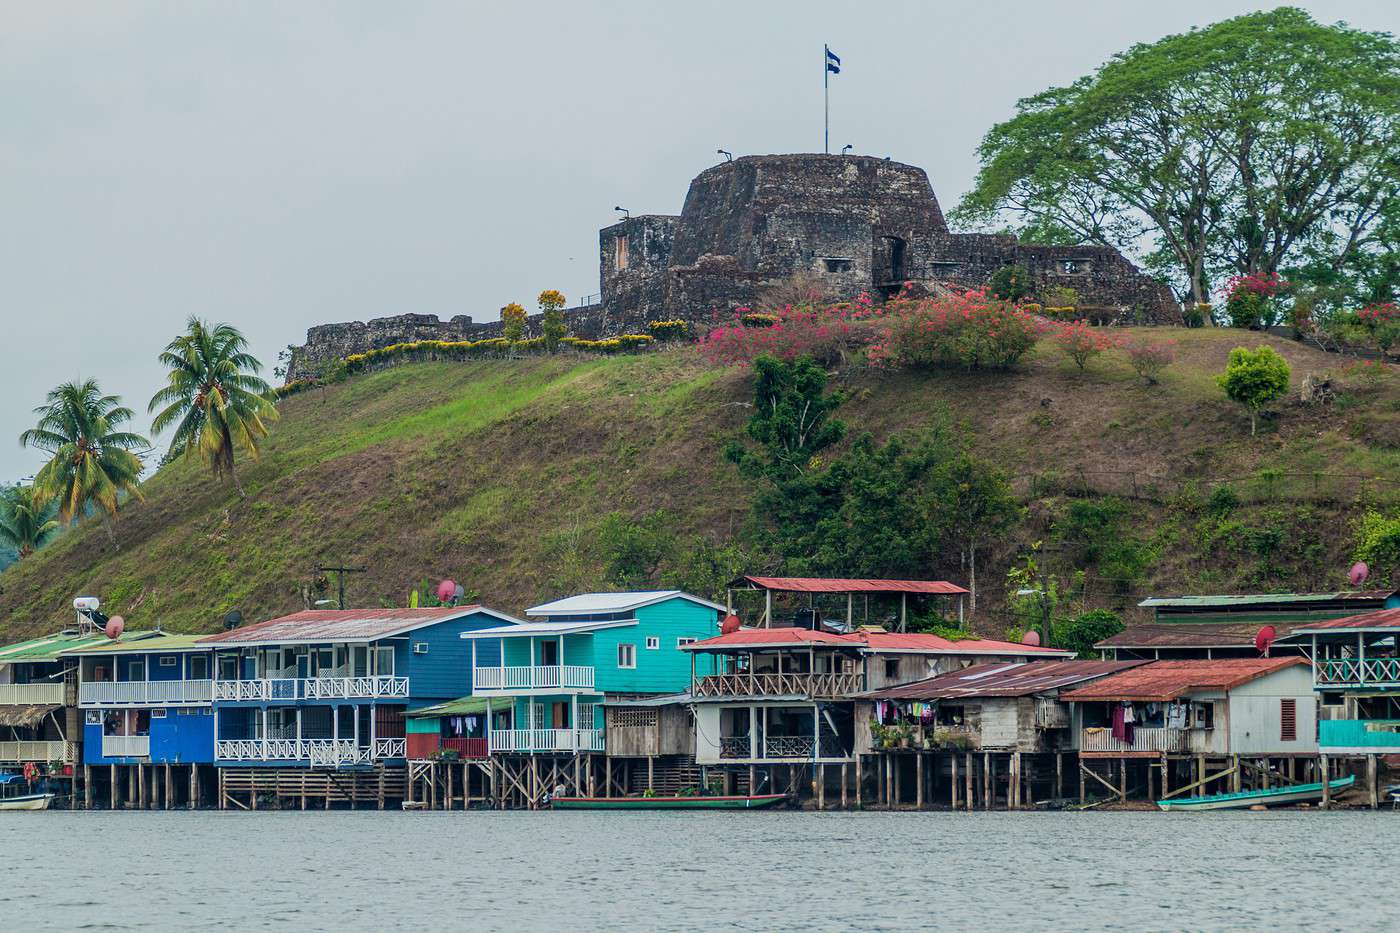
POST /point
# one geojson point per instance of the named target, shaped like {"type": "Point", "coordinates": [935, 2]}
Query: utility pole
{"type": "Point", "coordinates": [340, 573]}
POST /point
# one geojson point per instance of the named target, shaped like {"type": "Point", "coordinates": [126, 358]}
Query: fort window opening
{"type": "Point", "coordinates": [838, 265]}
{"type": "Point", "coordinates": [620, 252]}
{"type": "Point", "coordinates": [1073, 266]}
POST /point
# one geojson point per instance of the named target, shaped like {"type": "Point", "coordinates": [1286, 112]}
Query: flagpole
{"type": "Point", "coordinates": [826, 102]}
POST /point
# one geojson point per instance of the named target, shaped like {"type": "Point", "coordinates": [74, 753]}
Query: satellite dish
{"type": "Point", "coordinates": [730, 624]}
{"type": "Point", "coordinates": [1264, 639]}
{"type": "Point", "coordinates": [445, 590]}
{"type": "Point", "coordinates": [114, 627]}
{"type": "Point", "coordinates": [232, 619]}
{"type": "Point", "coordinates": [1358, 573]}
{"type": "Point", "coordinates": [1031, 639]}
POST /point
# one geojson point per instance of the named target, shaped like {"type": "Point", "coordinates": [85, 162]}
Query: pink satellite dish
{"type": "Point", "coordinates": [730, 624]}
{"type": "Point", "coordinates": [1358, 573]}
{"type": "Point", "coordinates": [115, 626]}
{"type": "Point", "coordinates": [1264, 638]}
{"type": "Point", "coordinates": [446, 590]}
{"type": "Point", "coordinates": [1031, 639]}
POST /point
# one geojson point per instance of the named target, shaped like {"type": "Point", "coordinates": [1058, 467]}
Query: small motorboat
{"type": "Point", "coordinates": [16, 793]}
{"type": "Point", "coordinates": [1273, 797]}
{"type": "Point", "coordinates": [693, 802]}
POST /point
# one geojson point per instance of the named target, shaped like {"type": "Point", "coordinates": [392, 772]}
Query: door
{"type": "Point", "coordinates": [559, 715]}
{"type": "Point", "coordinates": [549, 653]}
{"type": "Point", "coordinates": [359, 661]}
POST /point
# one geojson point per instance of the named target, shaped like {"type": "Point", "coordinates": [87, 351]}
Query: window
{"type": "Point", "coordinates": [1072, 266]}
{"type": "Point", "coordinates": [891, 668]}
{"type": "Point", "coordinates": [626, 655]}
{"type": "Point", "coordinates": [837, 265]}
{"type": "Point", "coordinates": [137, 671]}
{"type": "Point", "coordinates": [384, 660]}
{"type": "Point", "coordinates": [683, 641]}
{"type": "Point", "coordinates": [620, 251]}
{"type": "Point", "coordinates": [198, 668]}
{"type": "Point", "coordinates": [653, 643]}
{"type": "Point", "coordinates": [157, 714]}
{"type": "Point", "coordinates": [168, 660]}
{"type": "Point", "coordinates": [1331, 698]}
{"type": "Point", "coordinates": [1288, 719]}
{"type": "Point", "coordinates": [228, 667]}
{"type": "Point", "coordinates": [94, 717]}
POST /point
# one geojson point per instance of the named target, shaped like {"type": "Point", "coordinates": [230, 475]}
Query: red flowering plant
{"type": "Point", "coordinates": [1251, 300]}
{"type": "Point", "coordinates": [1150, 357]}
{"type": "Point", "coordinates": [1081, 343]}
{"type": "Point", "coordinates": [974, 330]}
{"type": "Point", "coordinates": [828, 334]}
{"type": "Point", "coordinates": [1382, 323]}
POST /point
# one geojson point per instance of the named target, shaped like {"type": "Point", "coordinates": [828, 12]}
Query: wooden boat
{"type": "Point", "coordinates": [1243, 800]}
{"type": "Point", "coordinates": [753, 802]}
{"type": "Point", "coordinates": [9, 800]}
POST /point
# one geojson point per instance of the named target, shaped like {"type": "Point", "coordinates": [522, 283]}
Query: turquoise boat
{"type": "Point", "coordinates": [1273, 797]}
{"type": "Point", "coordinates": [752, 802]}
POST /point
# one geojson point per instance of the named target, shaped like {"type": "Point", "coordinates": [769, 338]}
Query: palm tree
{"type": "Point", "coordinates": [214, 397]}
{"type": "Point", "coordinates": [25, 524]}
{"type": "Point", "coordinates": [93, 462]}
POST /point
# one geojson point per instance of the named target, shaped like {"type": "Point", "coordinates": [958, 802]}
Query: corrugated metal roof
{"type": "Point", "coordinates": [585, 603]}
{"type": "Point", "coordinates": [461, 706]}
{"type": "Point", "coordinates": [148, 641]}
{"type": "Point", "coordinates": [1380, 620]}
{"type": "Point", "coordinates": [1167, 680]}
{"type": "Point", "coordinates": [1189, 635]}
{"type": "Point", "coordinates": [838, 585]}
{"type": "Point", "coordinates": [49, 647]}
{"type": "Point", "coordinates": [529, 629]}
{"type": "Point", "coordinates": [343, 625]}
{"type": "Point", "coordinates": [1003, 680]}
{"type": "Point", "coordinates": [665, 699]}
{"type": "Point", "coordinates": [882, 642]}
{"type": "Point", "coordinates": [1252, 599]}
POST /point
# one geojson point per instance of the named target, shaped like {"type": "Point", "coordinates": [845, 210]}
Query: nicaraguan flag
{"type": "Point", "coordinates": [833, 61]}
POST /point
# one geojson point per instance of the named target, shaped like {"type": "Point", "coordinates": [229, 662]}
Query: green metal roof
{"type": "Point", "coordinates": [461, 706]}
{"type": "Point", "coordinates": [142, 641]}
{"type": "Point", "coordinates": [1254, 599]}
{"type": "Point", "coordinates": [46, 648]}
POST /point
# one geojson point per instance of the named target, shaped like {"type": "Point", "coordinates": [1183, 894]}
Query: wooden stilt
{"type": "Point", "coordinates": [843, 785]}
{"type": "Point", "coordinates": [819, 785]}
{"type": "Point", "coordinates": [166, 781]}
{"type": "Point", "coordinates": [919, 780]}
{"type": "Point", "coordinates": [953, 784]}
{"type": "Point", "coordinates": [1323, 766]}
{"type": "Point", "coordinates": [1013, 790]}
{"type": "Point", "coordinates": [87, 787]}
{"type": "Point", "coordinates": [1083, 798]}
{"type": "Point", "coordinates": [1372, 784]}
{"type": "Point", "coordinates": [967, 770]}
{"type": "Point", "coordinates": [1059, 776]}
{"type": "Point", "coordinates": [988, 786]}
{"type": "Point", "coordinates": [860, 779]}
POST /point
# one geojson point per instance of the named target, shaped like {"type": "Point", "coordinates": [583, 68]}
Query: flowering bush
{"type": "Point", "coordinates": [669, 330]}
{"type": "Point", "coordinates": [1082, 343]}
{"type": "Point", "coordinates": [827, 334]}
{"type": "Point", "coordinates": [513, 321]}
{"type": "Point", "coordinates": [1150, 357]}
{"type": "Point", "coordinates": [974, 330]}
{"type": "Point", "coordinates": [1382, 322]}
{"type": "Point", "coordinates": [756, 318]}
{"type": "Point", "coordinates": [1251, 300]}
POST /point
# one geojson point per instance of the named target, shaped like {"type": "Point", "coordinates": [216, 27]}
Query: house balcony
{"type": "Point", "coordinates": [126, 746]}
{"type": "Point", "coordinates": [1157, 740]}
{"type": "Point", "coordinates": [31, 694]}
{"type": "Point", "coordinates": [98, 694]}
{"type": "Point", "coordinates": [1356, 672]}
{"type": "Point", "coordinates": [1359, 736]}
{"type": "Point", "coordinates": [465, 748]}
{"type": "Point", "coordinates": [20, 752]}
{"type": "Point", "coordinates": [312, 688]}
{"type": "Point", "coordinates": [780, 748]}
{"type": "Point", "coordinates": [518, 741]}
{"type": "Point", "coordinates": [748, 684]}
{"type": "Point", "coordinates": [315, 753]}
{"type": "Point", "coordinates": [532, 677]}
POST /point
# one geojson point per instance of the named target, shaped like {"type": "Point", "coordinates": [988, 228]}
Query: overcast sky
{"type": "Point", "coordinates": [280, 165]}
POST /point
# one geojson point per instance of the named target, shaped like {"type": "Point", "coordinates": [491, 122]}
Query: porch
{"type": "Point", "coordinates": [18, 752]}
{"type": "Point", "coordinates": [315, 753]}
{"type": "Point", "coordinates": [374, 687]}
{"type": "Point", "coordinates": [45, 694]}
{"type": "Point", "coordinates": [317, 736]}
{"type": "Point", "coordinates": [93, 694]}
{"type": "Point", "coordinates": [502, 679]}
{"type": "Point", "coordinates": [516, 741]}
{"type": "Point", "coordinates": [768, 733]}
{"type": "Point", "coordinates": [752, 683]}
{"type": "Point", "coordinates": [1357, 672]}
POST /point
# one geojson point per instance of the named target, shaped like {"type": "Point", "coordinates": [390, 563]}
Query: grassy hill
{"type": "Point", "coordinates": [497, 473]}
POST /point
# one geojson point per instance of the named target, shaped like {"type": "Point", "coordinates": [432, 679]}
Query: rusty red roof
{"type": "Point", "coordinates": [838, 585]}
{"type": "Point", "coordinates": [1194, 634]}
{"type": "Point", "coordinates": [344, 625]}
{"type": "Point", "coordinates": [1381, 620]}
{"type": "Point", "coordinates": [1167, 680]}
{"type": "Point", "coordinates": [1003, 680]}
{"type": "Point", "coordinates": [882, 642]}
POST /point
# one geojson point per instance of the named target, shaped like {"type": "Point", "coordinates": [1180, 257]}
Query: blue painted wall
{"type": "Point", "coordinates": [180, 736]}
{"type": "Point", "coordinates": [445, 671]}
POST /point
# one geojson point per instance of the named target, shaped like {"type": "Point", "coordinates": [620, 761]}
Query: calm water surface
{"type": "Point", "coordinates": [719, 871]}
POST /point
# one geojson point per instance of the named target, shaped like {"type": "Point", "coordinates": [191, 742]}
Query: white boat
{"type": "Point", "coordinates": [9, 800]}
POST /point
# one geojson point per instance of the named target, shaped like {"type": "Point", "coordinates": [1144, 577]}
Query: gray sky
{"type": "Point", "coordinates": [279, 165]}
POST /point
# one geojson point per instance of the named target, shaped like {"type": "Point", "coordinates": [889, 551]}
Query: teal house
{"type": "Point", "coordinates": [1356, 673]}
{"type": "Point", "coordinates": [543, 682]}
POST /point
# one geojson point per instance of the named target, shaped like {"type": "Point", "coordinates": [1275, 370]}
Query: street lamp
{"type": "Point", "coordinates": [728, 156]}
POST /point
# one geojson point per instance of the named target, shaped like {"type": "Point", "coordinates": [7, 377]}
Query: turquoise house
{"type": "Point", "coordinates": [1356, 673]}
{"type": "Point", "coordinates": [544, 681]}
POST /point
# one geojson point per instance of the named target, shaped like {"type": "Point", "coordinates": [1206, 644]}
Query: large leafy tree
{"type": "Point", "coordinates": [26, 521]}
{"type": "Point", "coordinates": [1231, 149]}
{"type": "Point", "coordinates": [93, 461]}
{"type": "Point", "coordinates": [214, 397]}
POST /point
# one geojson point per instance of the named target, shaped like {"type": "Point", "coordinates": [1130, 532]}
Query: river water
{"type": "Point", "coordinates": [713, 871]}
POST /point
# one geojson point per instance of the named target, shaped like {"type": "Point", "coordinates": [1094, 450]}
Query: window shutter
{"type": "Point", "coordinates": [1288, 720]}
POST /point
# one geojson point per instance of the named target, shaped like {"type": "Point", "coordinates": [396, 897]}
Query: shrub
{"type": "Point", "coordinates": [1010, 283]}
{"type": "Point", "coordinates": [622, 343]}
{"type": "Point", "coordinates": [973, 330]}
{"type": "Point", "coordinates": [826, 334]}
{"type": "Point", "coordinates": [1378, 542]}
{"type": "Point", "coordinates": [1251, 300]}
{"type": "Point", "coordinates": [1150, 357]}
{"type": "Point", "coordinates": [1254, 378]}
{"type": "Point", "coordinates": [552, 327]}
{"type": "Point", "coordinates": [1060, 297]}
{"type": "Point", "coordinates": [1082, 632]}
{"type": "Point", "coordinates": [1382, 324]}
{"type": "Point", "coordinates": [669, 330]}
{"type": "Point", "coordinates": [1197, 315]}
{"type": "Point", "coordinates": [756, 318]}
{"type": "Point", "coordinates": [513, 322]}
{"type": "Point", "coordinates": [1081, 343]}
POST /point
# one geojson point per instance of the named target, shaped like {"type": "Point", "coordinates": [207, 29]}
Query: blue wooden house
{"type": "Point", "coordinates": [330, 688]}
{"type": "Point", "coordinates": [545, 680]}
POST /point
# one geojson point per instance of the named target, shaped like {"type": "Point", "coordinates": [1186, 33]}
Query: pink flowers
{"type": "Point", "coordinates": [973, 330]}
{"type": "Point", "coordinates": [1082, 343]}
{"type": "Point", "coordinates": [1150, 357]}
{"type": "Point", "coordinates": [1263, 284]}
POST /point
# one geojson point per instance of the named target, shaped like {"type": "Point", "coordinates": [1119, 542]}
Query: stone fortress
{"type": "Point", "coordinates": [857, 223]}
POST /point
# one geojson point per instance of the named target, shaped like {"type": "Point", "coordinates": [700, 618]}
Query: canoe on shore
{"type": "Point", "coordinates": [1243, 800]}
{"type": "Point", "coordinates": [753, 802]}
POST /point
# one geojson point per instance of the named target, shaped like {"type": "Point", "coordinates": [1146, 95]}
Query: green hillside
{"type": "Point", "coordinates": [498, 473]}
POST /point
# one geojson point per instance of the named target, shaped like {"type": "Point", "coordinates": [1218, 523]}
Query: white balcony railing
{"type": "Point", "coordinates": [31, 694]}
{"type": "Point", "coordinates": [546, 740]}
{"type": "Point", "coordinates": [126, 746]}
{"type": "Point", "coordinates": [313, 688]}
{"type": "Point", "coordinates": [19, 752]}
{"type": "Point", "coordinates": [146, 693]}
{"type": "Point", "coordinates": [318, 753]}
{"type": "Point", "coordinates": [536, 677]}
{"type": "Point", "coordinates": [1144, 740]}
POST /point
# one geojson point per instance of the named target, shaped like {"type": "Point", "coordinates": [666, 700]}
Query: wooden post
{"type": "Point", "coordinates": [819, 779]}
{"type": "Point", "coordinates": [988, 785]}
{"type": "Point", "coordinates": [194, 786]}
{"type": "Point", "coordinates": [860, 779]}
{"type": "Point", "coordinates": [953, 784]}
{"type": "Point", "coordinates": [534, 782]}
{"type": "Point", "coordinates": [919, 780]}
{"type": "Point", "coordinates": [1322, 765]}
{"type": "Point", "coordinates": [844, 773]}
{"type": "Point", "coordinates": [1083, 799]}
{"type": "Point", "coordinates": [432, 786]}
{"type": "Point", "coordinates": [1013, 795]}
{"type": "Point", "coordinates": [1166, 775]}
{"type": "Point", "coordinates": [87, 786]}
{"type": "Point", "coordinates": [1236, 778]}
{"type": "Point", "coordinates": [1201, 770]}
{"type": "Point", "coordinates": [1059, 776]}
{"type": "Point", "coordinates": [1123, 780]}
{"type": "Point", "coordinates": [1371, 782]}
{"type": "Point", "coordinates": [168, 804]}
{"type": "Point", "coordinates": [651, 774]}
{"type": "Point", "coordinates": [967, 761]}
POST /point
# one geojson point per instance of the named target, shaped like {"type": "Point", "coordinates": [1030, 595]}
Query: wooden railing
{"type": "Point", "coordinates": [746, 683]}
{"type": "Point", "coordinates": [145, 693]}
{"type": "Point", "coordinates": [35, 694]}
{"type": "Point", "coordinates": [546, 740]}
{"type": "Point", "coordinates": [313, 688]}
{"type": "Point", "coordinates": [466, 748]}
{"type": "Point", "coordinates": [319, 753]}
{"type": "Point", "coordinates": [126, 746]}
{"type": "Point", "coordinates": [734, 746]}
{"type": "Point", "coordinates": [1357, 672]}
{"type": "Point", "coordinates": [536, 677]}
{"type": "Point", "coordinates": [1144, 740]}
{"type": "Point", "coordinates": [18, 752]}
